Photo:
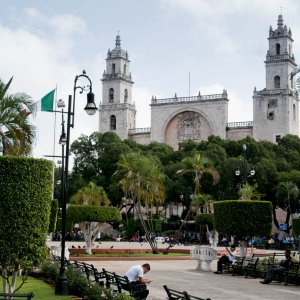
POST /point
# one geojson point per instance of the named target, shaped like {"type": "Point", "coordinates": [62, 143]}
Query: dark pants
{"type": "Point", "coordinates": [273, 272]}
{"type": "Point", "coordinates": [224, 260]}
{"type": "Point", "coordinates": [142, 291]}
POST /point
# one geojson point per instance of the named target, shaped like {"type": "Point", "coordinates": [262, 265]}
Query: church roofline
{"type": "Point", "coordinates": [214, 97]}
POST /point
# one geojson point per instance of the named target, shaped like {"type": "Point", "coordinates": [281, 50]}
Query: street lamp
{"type": "Point", "coordinates": [62, 282]}
{"type": "Point", "coordinates": [244, 174]}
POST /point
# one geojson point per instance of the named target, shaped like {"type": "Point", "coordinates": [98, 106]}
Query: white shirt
{"type": "Point", "coordinates": [134, 273]}
{"type": "Point", "coordinates": [232, 256]}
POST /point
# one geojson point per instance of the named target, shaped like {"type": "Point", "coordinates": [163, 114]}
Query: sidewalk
{"type": "Point", "coordinates": [180, 274]}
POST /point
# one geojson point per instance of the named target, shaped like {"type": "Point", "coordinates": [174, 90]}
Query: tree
{"type": "Point", "coordinates": [197, 165]}
{"type": "Point", "coordinates": [286, 192]}
{"type": "Point", "coordinates": [243, 219]}
{"type": "Point", "coordinates": [25, 201]}
{"type": "Point", "coordinates": [249, 192]}
{"type": "Point", "coordinates": [88, 201]}
{"type": "Point", "coordinates": [142, 181]}
{"type": "Point", "coordinates": [16, 133]}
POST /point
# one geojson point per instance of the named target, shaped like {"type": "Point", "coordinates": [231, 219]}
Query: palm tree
{"type": "Point", "coordinates": [197, 165]}
{"type": "Point", "coordinates": [249, 192]}
{"type": "Point", "coordinates": [90, 195]}
{"type": "Point", "coordinates": [285, 193]}
{"type": "Point", "coordinates": [16, 133]}
{"type": "Point", "coordinates": [142, 181]}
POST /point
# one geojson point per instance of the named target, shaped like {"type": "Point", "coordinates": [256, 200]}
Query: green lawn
{"type": "Point", "coordinates": [40, 289]}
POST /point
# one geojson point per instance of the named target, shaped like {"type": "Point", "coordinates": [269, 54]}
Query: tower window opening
{"type": "Point", "coordinates": [124, 70]}
{"type": "Point", "coordinates": [113, 69]}
{"type": "Point", "coordinates": [290, 50]}
{"type": "Point", "coordinates": [277, 82]}
{"type": "Point", "coordinates": [294, 112]}
{"type": "Point", "coordinates": [277, 138]}
{"type": "Point", "coordinates": [113, 122]}
{"type": "Point", "coordinates": [272, 103]}
{"type": "Point", "coordinates": [277, 49]}
{"type": "Point", "coordinates": [111, 95]}
{"type": "Point", "coordinates": [125, 95]}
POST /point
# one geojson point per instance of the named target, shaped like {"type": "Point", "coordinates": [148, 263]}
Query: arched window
{"type": "Point", "coordinates": [111, 95]}
{"type": "Point", "coordinates": [277, 49]}
{"type": "Point", "coordinates": [125, 95]}
{"type": "Point", "coordinates": [290, 50]}
{"type": "Point", "coordinates": [124, 70]}
{"type": "Point", "coordinates": [113, 68]}
{"type": "Point", "coordinates": [113, 122]}
{"type": "Point", "coordinates": [294, 112]}
{"type": "Point", "coordinates": [276, 82]}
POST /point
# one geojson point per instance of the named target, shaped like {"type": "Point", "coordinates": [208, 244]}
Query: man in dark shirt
{"type": "Point", "coordinates": [284, 265]}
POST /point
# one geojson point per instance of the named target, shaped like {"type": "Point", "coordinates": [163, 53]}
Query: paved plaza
{"type": "Point", "coordinates": [182, 275]}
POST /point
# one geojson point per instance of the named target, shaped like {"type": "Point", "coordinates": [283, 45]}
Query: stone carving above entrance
{"type": "Point", "coordinates": [188, 126]}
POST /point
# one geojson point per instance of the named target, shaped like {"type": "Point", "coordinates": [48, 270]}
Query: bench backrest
{"type": "Point", "coordinates": [176, 295]}
{"type": "Point", "coordinates": [250, 261]}
{"type": "Point", "coordinates": [110, 278]}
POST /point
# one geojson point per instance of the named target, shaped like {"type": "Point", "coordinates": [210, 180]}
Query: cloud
{"type": "Point", "coordinates": [40, 60]}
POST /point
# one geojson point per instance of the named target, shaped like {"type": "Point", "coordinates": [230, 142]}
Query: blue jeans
{"type": "Point", "coordinates": [273, 272]}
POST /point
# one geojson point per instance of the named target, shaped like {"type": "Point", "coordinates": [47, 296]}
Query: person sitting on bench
{"type": "Point", "coordinates": [226, 259]}
{"type": "Point", "coordinates": [136, 277]}
{"type": "Point", "coordinates": [284, 265]}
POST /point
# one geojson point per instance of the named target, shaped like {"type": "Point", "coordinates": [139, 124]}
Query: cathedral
{"type": "Point", "coordinates": [177, 119]}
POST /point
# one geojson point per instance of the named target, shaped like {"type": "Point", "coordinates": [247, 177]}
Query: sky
{"type": "Point", "coordinates": [175, 46]}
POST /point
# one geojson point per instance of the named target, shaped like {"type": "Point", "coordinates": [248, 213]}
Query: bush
{"type": "Point", "coordinates": [296, 226]}
{"type": "Point", "coordinates": [50, 270]}
{"type": "Point", "coordinates": [242, 218]}
{"type": "Point", "coordinates": [78, 283]}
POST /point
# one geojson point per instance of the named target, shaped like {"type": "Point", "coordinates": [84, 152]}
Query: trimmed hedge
{"type": "Point", "coordinates": [25, 200]}
{"type": "Point", "coordinates": [89, 213]}
{"type": "Point", "coordinates": [203, 219]}
{"type": "Point", "coordinates": [296, 226]}
{"type": "Point", "coordinates": [53, 215]}
{"type": "Point", "coordinates": [243, 218]}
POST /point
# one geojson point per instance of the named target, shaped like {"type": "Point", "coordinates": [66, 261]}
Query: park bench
{"type": "Point", "coordinates": [229, 267]}
{"type": "Point", "coordinates": [110, 280]}
{"type": "Point", "coordinates": [137, 291]}
{"type": "Point", "coordinates": [247, 267]}
{"type": "Point", "coordinates": [177, 295]}
{"type": "Point", "coordinates": [203, 254]}
{"type": "Point", "coordinates": [5, 296]}
{"type": "Point", "coordinates": [91, 273]}
{"type": "Point", "coordinates": [293, 274]}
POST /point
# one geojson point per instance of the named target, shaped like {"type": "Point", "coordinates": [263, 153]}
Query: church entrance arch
{"type": "Point", "coordinates": [187, 125]}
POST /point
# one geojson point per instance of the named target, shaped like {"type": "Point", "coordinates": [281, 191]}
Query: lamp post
{"type": "Point", "coordinates": [245, 174]}
{"type": "Point", "coordinates": [61, 287]}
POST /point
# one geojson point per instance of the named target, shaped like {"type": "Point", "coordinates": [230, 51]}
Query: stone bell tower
{"type": "Point", "coordinates": [117, 111]}
{"type": "Point", "coordinates": [276, 107]}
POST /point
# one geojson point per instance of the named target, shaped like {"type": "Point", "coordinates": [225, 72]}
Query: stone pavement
{"type": "Point", "coordinates": [182, 275]}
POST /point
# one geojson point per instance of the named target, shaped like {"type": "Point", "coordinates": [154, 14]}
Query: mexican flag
{"type": "Point", "coordinates": [46, 103]}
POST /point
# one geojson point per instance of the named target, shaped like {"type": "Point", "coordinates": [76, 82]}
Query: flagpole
{"type": "Point", "coordinates": [54, 136]}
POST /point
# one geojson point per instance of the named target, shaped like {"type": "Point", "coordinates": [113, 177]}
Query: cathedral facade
{"type": "Point", "coordinates": [178, 119]}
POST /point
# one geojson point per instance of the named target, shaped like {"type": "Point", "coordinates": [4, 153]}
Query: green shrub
{"type": "Point", "coordinates": [26, 193]}
{"type": "Point", "coordinates": [205, 219]}
{"type": "Point", "coordinates": [50, 270]}
{"type": "Point", "coordinates": [53, 215]}
{"type": "Point", "coordinates": [77, 282]}
{"type": "Point", "coordinates": [296, 226]}
{"type": "Point", "coordinates": [242, 218]}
